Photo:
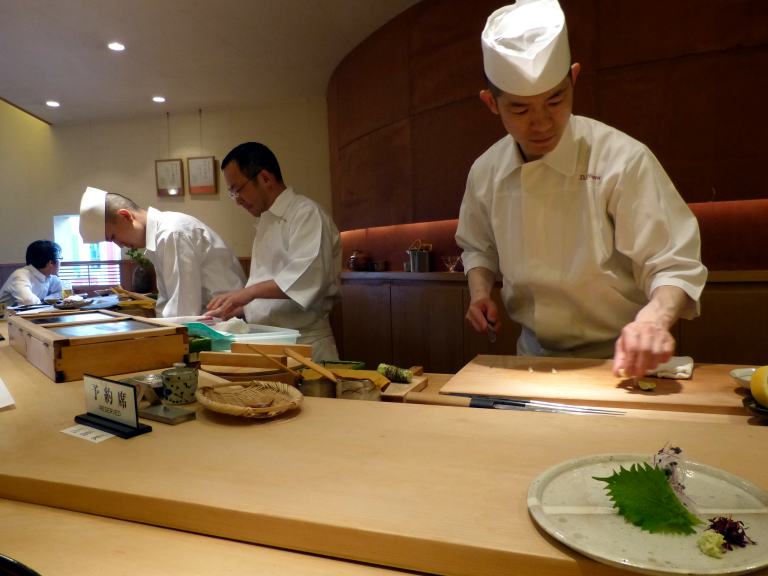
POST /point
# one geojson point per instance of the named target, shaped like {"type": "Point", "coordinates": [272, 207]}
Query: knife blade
{"type": "Point", "coordinates": [537, 405]}
{"type": "Point", "coordinates": [491, 332]}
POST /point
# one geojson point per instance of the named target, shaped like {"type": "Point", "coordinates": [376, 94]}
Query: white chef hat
{"type": "Point", "coordinates": [92, 215]}
{"type": "Point", "coordinates": [525, 47]}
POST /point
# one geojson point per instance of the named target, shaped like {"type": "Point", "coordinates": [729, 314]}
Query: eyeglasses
{"type": "Point", "coordinates": [235, 194]}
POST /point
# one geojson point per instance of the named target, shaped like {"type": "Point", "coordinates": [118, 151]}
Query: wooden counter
{"type": "Point", "coordinates": [427, 488]}
{"type": "Point", "coordinates": [57, 542]}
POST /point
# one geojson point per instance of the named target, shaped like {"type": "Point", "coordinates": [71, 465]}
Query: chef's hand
{"type": "Point", "coordinates": [642, 346]}
{"type": "Point", "coordinates": [646, 342]}
{"type": "Point", "coordinates": [484, 313]}
{"type": "Point", "coordinates": [228, 305]}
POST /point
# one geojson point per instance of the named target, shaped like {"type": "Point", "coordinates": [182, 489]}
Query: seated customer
{"type": "Point", "coordinates": [38, 280]}
{"type": "Point", "coordinates": [192, 263]}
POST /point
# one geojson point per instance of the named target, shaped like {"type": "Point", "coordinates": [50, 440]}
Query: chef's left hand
{"type": "Point", "coordinates": [641, 346]}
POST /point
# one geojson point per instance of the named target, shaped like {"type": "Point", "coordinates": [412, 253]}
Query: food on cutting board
{"type": "Point", "coordinates": [652, 497]}
{"type": "Point", "coordinates": [395, 374]}
{"type": "Point", "coordinates": [759, 386]}
{"type": "Point", "coordinates": [646, 385]}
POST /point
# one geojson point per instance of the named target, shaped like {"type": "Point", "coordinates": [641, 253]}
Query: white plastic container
{"type": "Point", "coordinates": [266, 335]}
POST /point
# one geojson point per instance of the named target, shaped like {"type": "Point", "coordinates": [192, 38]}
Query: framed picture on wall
{"type": "Point", "coordinates": [202, 175]}
{"type": "Point", "coordinates": [169, 175]}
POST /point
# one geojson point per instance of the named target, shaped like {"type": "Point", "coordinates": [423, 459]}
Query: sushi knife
{"type": "Point", "coordinates": [507, 404]}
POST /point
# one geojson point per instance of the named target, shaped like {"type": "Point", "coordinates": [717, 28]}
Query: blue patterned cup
{"type": "Point", "coordinates": [179, 384]}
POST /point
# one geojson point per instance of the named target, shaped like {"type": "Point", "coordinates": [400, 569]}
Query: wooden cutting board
{"type": "Point", "coordinates": [590, 382]}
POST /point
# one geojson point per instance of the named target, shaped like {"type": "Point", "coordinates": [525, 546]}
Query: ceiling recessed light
{"type": "Point", "coordinates": [116, 46]}
{"type": "Point", "coordinates": [52, 104]}
{"type": "Point", "coordinates": [158, 99]}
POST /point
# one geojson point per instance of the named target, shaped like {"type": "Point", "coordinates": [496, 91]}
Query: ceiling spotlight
{"type": "Point", "coordinates": [52, 104]}
{"type": "Point", "coordinates": [116, 46]}
{"type": "Point", "coordinates": [158, 99]}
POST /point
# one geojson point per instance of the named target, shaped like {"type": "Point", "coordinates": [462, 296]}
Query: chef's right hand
{"type": "Point", "coordinates": [482, 313]}
{"type": "Point", "coordinates": [227, 305]}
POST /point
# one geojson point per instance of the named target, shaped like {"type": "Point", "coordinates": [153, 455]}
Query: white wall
{"type": "Point", "coordinates": [44, 170]}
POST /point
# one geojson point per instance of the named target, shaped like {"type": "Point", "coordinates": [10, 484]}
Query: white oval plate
{"type": "Point", "coordinates": [743, 376]}
{"type": "Point", "coordinates": [574, 508]}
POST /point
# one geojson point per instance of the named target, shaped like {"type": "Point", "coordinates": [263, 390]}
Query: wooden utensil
{"type": "Point", "coordinates": [309, 364]}
{"type": "Point", "coordinates": [279, 364]}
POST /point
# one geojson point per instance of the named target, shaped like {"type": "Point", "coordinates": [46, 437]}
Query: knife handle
{"type": "Point", "coordinates": [447, 400]}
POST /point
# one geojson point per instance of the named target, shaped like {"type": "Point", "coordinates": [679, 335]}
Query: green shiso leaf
{"type": "Point", "coordinates": [643, 496]}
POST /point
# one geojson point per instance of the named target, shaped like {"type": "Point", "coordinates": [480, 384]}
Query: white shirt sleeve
{"type": "Point", "coordinates": [309, 270]}
{"type": "Point", "coordinates": [179, 277]}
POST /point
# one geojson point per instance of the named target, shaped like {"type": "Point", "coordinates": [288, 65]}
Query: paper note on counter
{"type": "Point", "coordinates": [87, 433]}
{"type": "Point", "coordinates": [6, 399]}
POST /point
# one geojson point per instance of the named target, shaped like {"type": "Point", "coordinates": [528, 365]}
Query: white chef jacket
{"type": "Point", "coordinates": [29, 286]}
{"type": "Point", "coordinates": [298, 246]}
{"type": "Point", "coordinates": [581, 236]}
{"type": "Point", "coordinates": [192, 263]}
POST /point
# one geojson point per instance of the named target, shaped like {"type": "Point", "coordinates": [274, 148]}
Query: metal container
{"type": "Point", "coordinates": [419, 260]}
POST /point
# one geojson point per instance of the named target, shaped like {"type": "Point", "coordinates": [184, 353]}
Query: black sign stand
{"type": "Point", "coordinates": [116, 428]}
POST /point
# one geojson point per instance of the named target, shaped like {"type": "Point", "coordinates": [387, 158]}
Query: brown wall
{"type": "Point", "coordinates": [686, 77]}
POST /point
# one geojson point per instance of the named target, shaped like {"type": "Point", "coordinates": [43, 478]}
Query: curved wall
{"type": "Point", "coordinates": [685, 77]}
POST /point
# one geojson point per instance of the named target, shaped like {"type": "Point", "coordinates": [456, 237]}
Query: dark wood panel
{"type": "Point", "coordinates": [687, 95]}
{"type": "Point", "coordinates": [366, 323]}
{"type": "Point", "coordinates": [446, 58]}
{"type": "Point", "coordinates": [661, 29]}
{"type": "Point", "coordinates": [426, 326]}
{"type": "Point", "coordinates": [732, 325]}
{"type": "Point", "coordinates": [373, 84]}
{"type": "Point", "coordinates": [374, 174]}
{"type": "Point", "coordinates": [446, 141]}
{"type": "Point", "coordinates": [679, 113]}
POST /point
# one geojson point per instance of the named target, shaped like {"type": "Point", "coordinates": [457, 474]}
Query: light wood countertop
{"type": "Point", "coordinates": [427, 488]}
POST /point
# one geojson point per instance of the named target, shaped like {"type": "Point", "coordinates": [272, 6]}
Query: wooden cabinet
{"type": "Point", "coordinates": [366, 323]}
{"type": "Point", "coordinates": [418, 319]}
{"type": "Point", "coordinates": [411, 319]}
{"type": "Point", "coordinates": [426, 321]}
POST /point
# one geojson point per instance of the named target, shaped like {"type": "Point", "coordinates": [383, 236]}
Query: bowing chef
{"type": "Point", "coordinates": [37, 280]}
{"type": "Point", "coordinates": [296, 257]}
{"type": "Point", "coordinates": [598, 253]}
{"type": "Point", "coordinates": [192, 263]}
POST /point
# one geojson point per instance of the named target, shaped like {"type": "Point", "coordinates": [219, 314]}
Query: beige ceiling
{"type": "Point", "coordinates": [199, 54]}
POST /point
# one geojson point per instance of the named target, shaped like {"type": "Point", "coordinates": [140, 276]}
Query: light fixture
{"type": "Point", "coordinates": [52, 104]}
{"type": "Point", "coordinates": [158, 99]}
{"type": "Point", "coordinates": [116, 46]}
{"type": "Point", "coordinates": [172, 192]}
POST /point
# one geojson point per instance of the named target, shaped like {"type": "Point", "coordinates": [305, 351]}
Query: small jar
{"type": "Point", "coordinates": [179, 384]}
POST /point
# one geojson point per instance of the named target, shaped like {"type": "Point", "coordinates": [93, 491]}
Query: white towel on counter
{"type": "Point", "coordinates": [677, 367]}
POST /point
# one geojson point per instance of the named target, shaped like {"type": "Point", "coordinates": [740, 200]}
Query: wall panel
{"type": "Point", "coordinates": [685, 77]}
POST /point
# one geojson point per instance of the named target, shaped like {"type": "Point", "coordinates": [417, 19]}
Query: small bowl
{"type": "Point", "coordinates": [52, 300]}
{"type": "Point", "coordinates": [743, 376]}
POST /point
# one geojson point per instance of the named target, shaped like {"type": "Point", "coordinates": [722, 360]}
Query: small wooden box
{"type": "Point", "coordinates": [65, 345]}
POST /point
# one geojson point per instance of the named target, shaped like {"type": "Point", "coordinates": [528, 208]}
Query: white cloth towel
{"type": "Point", "coordinates": [677, 367]}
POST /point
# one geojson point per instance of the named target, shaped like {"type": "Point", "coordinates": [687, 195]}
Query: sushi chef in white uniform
{"type": "Point", "coordinates": [598, 253]}
{"type": "Point", "coordinates": [296, 258]}
{"type": "Point", "coordinates": [192, 263]}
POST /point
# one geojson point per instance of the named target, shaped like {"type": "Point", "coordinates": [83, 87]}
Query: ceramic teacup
{"type": "Point", "coordinates": [179, 384]}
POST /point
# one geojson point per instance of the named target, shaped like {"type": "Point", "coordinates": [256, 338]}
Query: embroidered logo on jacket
{"type": "Point", "coordinates": [590, 177]}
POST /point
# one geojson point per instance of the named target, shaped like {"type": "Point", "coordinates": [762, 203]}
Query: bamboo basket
{"type": "Point", "coordinates": [256, 399]}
